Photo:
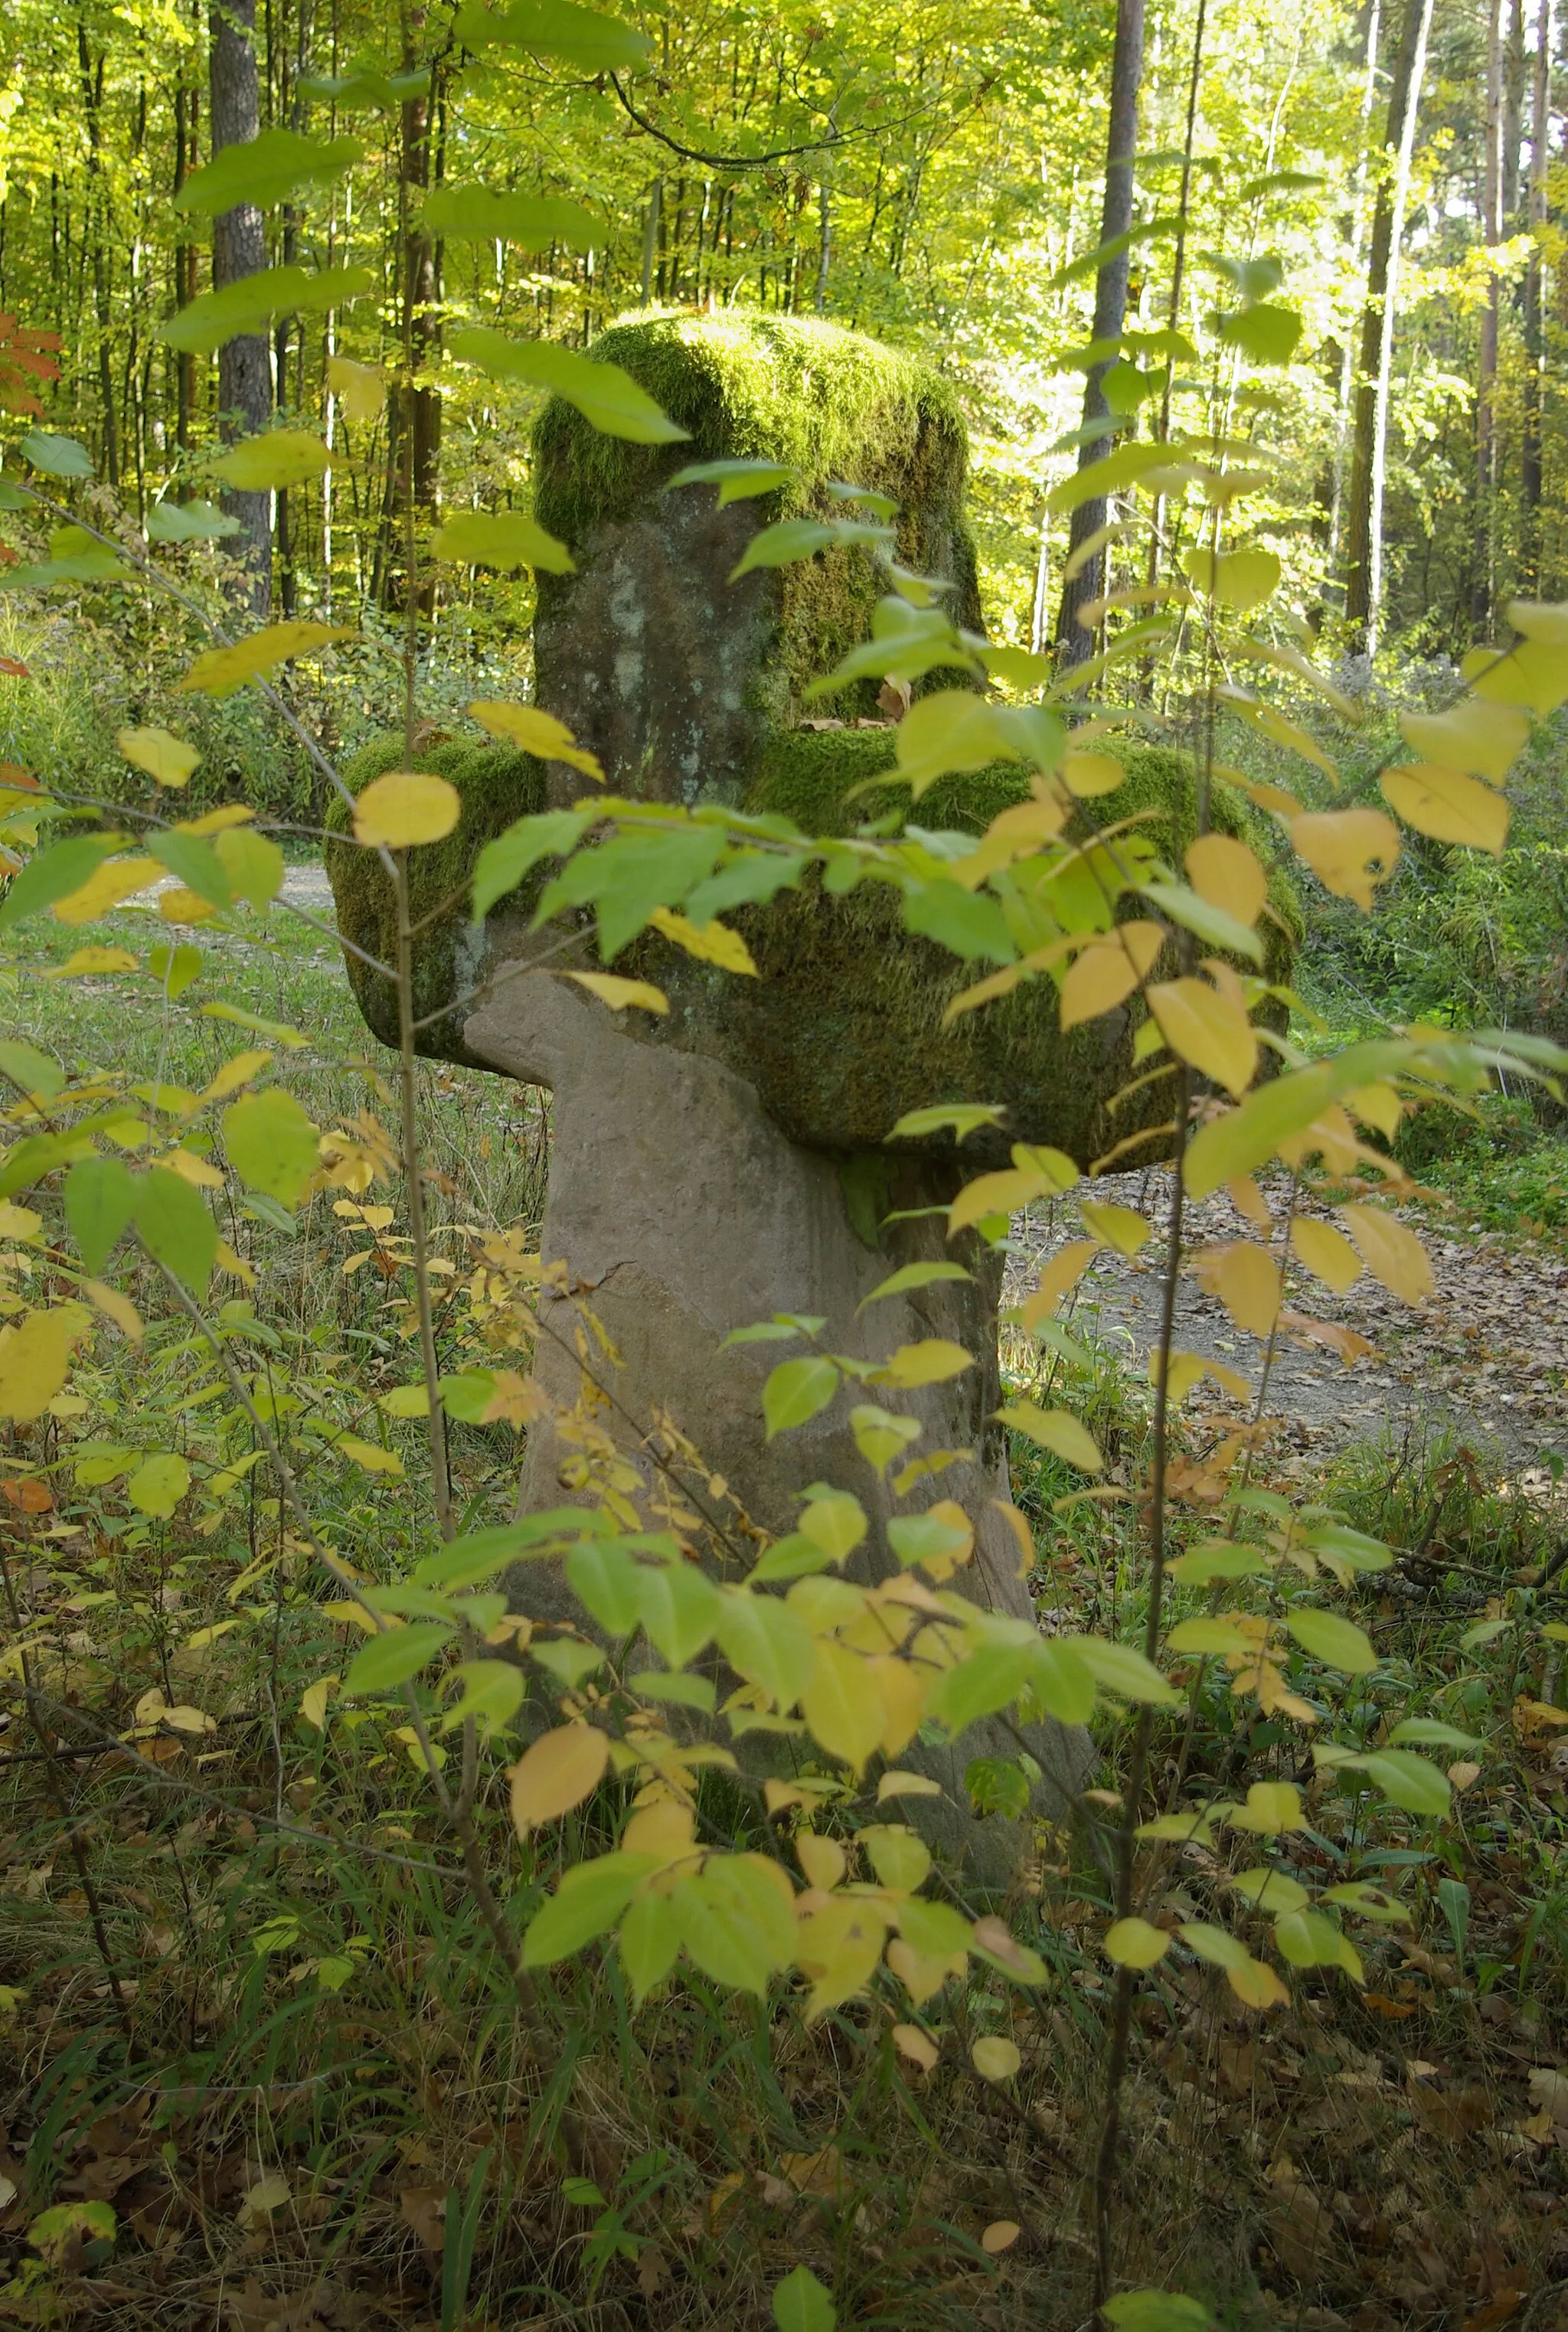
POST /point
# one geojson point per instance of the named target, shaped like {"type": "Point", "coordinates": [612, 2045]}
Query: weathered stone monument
{"type": "Point", "coordinates": [730, 1162]}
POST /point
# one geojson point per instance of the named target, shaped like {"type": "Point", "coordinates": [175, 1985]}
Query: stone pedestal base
{"type": "Point", "coordinates": [680, 1213]}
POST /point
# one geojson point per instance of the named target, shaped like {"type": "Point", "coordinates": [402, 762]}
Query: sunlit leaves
{"type": "Point", "coordinates": [590, 1900]}
{"type": "Point", "coordinates": [557, 1772]}
{"type": "Point", "coordinates": [604, 394]}
{"type": "Point", "coordinates": [279, 458]}
{"type": "Point", "coordinates": [802, 2304]}
{"type": "Point", "coordinates": [1484, 738]}
{"type": "Point", "coordinates": [737, 479]}
{"type": "Point", "coordinates": [1207, 1030]}
{"type": "Point", "coordinates": [217, 671]}
{"type": "Point", "coordinates": [159, 1484]}
{"type": "Point", "coordinates": [360, 389]}
{"type": "Point", "coordinates": [1227, 874]}
{"type": "Point", "coordinates": [1326, 1253]}
{"type": "Point", "coordinates": [796, 1392]}
{"type": "Point", "coordinates": [540, 733]}
{"type": "Point", "coordinates": [266, 170]}
{"type": "Point", "coordinates": [1265, 334]}
{"type": "Point", "coordinates": [1390, 1252]}
{"type": "Point", "coordinates": [57, 457]}
{"type": "Point", "coordinates": [176, 1228]}
{"type": "Point", "coordinates": [252, 302]}
{"type": "Point", "coordinates": [1156, 2311]}
{"type": "Point", "coordinates": [100, 1200]}
{"type": "Point", "coordinates": [272, 1144]}
{"type": "Point", "coordinates": [712, 942]}
{"type": "Point", "coordinates": [53, 874]}
{"type": "Point", "coordinates": [387, 1660]}
{"type": "Point", "coordinates": [622, 995]}
{"type": "Point", "coordinates": [1447, 806]}
{"type": "Point", "coordinates": [475, 214]}
{"type": "Point", "coordinates": [1329, 1637]}
{"type": "Point", "coordinates": [1272, 1809]}
{"type": "Point", "coordinates": [1239, 579]}
{"type": "Point", "coordinates": [1247, 1280]}
{"type": "Point", "coordinates": [1351, 851]}
{"type": "Point", "coordinates": [500, 538]}
{"type": "Point", "coordinates": [1134, 1944]}
{"type": "Point", "coordinates": [164, 757]}
{"type": "Point", "coordinates": [1105, 972]}
{"type": "Point", "coordinates": [405, 807]}
{"type": "Point", "coordinates": [36, 1359]}
{"type": "Point", "coordinates": [842, 1704]}
{"type": "Point", "coordinates": [193, 521]}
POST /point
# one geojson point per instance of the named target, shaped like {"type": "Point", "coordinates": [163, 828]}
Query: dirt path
{"type": "Point", "coordinates": [1486, 1356]}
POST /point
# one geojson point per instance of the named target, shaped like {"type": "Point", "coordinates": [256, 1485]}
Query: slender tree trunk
{"type": "Point", "coordinates": [413, 414]}
{"type": "Point", "coordinates": [1535, 303]}
{"type": "Point", "coordinates": [651, 218]}
{"type": "Point", "coordinates": [1074, 641]}
{"type": "Point", "coordinates": [1357, 244]}
{"type": "Point", "coordinates": [825, 243]}
{"type": "Point", "coordinates": [186, 112]}
{"type": "Point", "coordinates": [1486, 368]}
{"type": "Point", "coordinates": [96, 230]}
{"type": "Point", "coordinates": [1363, 518]}
{"type": "Point", "coordinates": [240, 249]}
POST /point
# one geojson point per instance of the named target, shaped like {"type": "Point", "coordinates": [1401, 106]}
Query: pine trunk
{"type": "Point", "coordinates": [1487, 367]}
{"type": "Point", "coordinates": [1530, 467]}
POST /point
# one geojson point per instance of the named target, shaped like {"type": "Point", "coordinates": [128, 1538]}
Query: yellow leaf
{"type": "Point", "coordinates": [1273, 799]}
{"type": "Point", "coordinates": [1134, 1944]}
{"type": "Point", "coordinates": [1448, 807]}
{"type": "Point", "coordinates": [36, 1359]}
{"type": "Point", "coordinates": [1241, 579]}
{"type": "Point", "coordinates": [1206, 1030]}
{"type": "Point", "coordinates": [919, 1976]}
{"type": "Point", "coordinates": [1226, 873]}
{"type": "Point", "coordinates": [1059, 1277]}
{"type": "Point", "coordinates": [368, 1456]}
{"type": "Point", "coordinates": [1379, 1106]}
{"type": "Point", "coordinates": [1248, 1200]}
{"type": "Point", "coordinates": [1281, 730]}
{"type": "Point", "coordinates": [843, 1705]}
{"type": "Point", "coordinates": [1001, 2235]}
{"type": "Point", "coordinates": [1533, 672]}
{"type": "Point", "coordinates": [18, 1222]}
{"type": "Point", "coordinates": [87, 960]}
{"type": "Point", "coordinates": [917, 2046]}
{"type": "Point", "coordinates": [1089, 774]}
{"type": "Point", "coordinates": [1035, 1173]}
{"type": "Point", "coordinates": [360, 387]}
{"type": "Point", "coordinates": [995, 2059]}
{"type": "Point", "coordinates": [1256, 1983]}
{"type": "Point", "coordinates": [539, 734]}
{"type": "Point", "coordinates": [1122, 1227]}
{"type": "Point", "coordinates": [903, 1692]}
{"type": "Point", "coordinates": [557, 1772]}
{"type": "Point", "coordinates": [896, 1785]}
{"type": "Point", "coordinates": [823, 1859]}
{"type": "Point", "coordinates": [217, 671]}
{"type": "Point", "coordinates": [618, 993]}
{"type": "Point", "coordinates": [1272, 1808]}
{"type": "Point", "coordinates": [234, 1265]}
{"type": "Point", "coordinates": [167, 760]}
{"type": "Point", "coordinates": [1350, 851]}
{"type": "Point", "coordinates": [709, 942]}
{"type": "Point", "coordinates": [933, 1362]}
{"type": "Point", "coordinates": [217, 821]}
{"type": "Point", "coordinates": [197, 1171]}
{"type": "Point", "coordinates": [1391, 1253]}
{"type": "Point", "coordinates": [1326, 1253]}
{"type": "Point", "coordinates": [1484, 738]}
{"type": "Point", "coordinates": [1184, 1371]}
{"type": "Point", "coordinates": [404, 808]}
{"type": "Point", "coordinates": [1246, 1279]}
{"type": "Point", "coordinates": [180, 905]}
{"type": "Point", "coordinates": [237, 1071]}
{"type": "Point", "coordinates": [313, 1702]}
{"type": "Point", "coordinates": [103, 892]}
{"type": "Point", "coordinates": [1104, 973]}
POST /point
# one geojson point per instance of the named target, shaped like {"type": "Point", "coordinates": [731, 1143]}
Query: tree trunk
{"type": "Point", "coordinates": [96, 230]}
{"type": "Point", "coordinates": [1074, 640]}
{"type": "Point", "coordinates": [1487, 367]}
{"type": "Point", "coordinates": [240, 249]}
{"type": "Point", "coordinates": [414, 409]}
{"type": "Point", "coordinates": [1533, 562]}
{"type": "Point", "coordinates": [1363, 521]}
{"type": "Point", "coordinates": [186, 112]}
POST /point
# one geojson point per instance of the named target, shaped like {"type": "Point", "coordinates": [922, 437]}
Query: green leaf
{"type": "Point", "coordinates": [253, 864]}
{"type": "Point", "coordinates": [1156, 2311]}
{"type": "Point", "coordinates": [970, 925]}
{"type": "Point", "coordinates": [193, 521]}
{"type": "Point", "coordinates": [1106, 475]}
{"type": "Point", "coordinates": [279, 458]}
{"type": "Point", "coordinates": [57, 457]}
{"type": "Point", "coordinates": [767, 1643]}
{"type": "Point", "coordinates": [29, 1070]}
{"type": "Point", "coordinates": [737, 1923]}
{"type": "Point", "coordinates": [55, 873]}
{"type": "Point", "coordinates": [177, 1228]}
{"type": "Point", "coordinates": [159, 1485]}
{"type": "Point", "coordinates": [926, 1538]}
{"type": "Point", "coordinates": [1411, 1781]}
{"type": "Point", "coordinates": [250, 304]}
{"type": "Point", "coordinates": [781, 544]}
{"type": "Point", "coordinates": [383, 1662]}
{"type": "Point", "coordinates": [482, 1553]}
{"type": "Point", "coordinates": [590, 1900]}
{"type": "Point", "coordinates": [1212, 925]}
{"type": "Point", "coordinates": [266, 170]}
{"type": "Point", "coordinates": [1427, 1734]}
{"type": "Point", "coordinates": [476, 213]}
{"type": "Point", "coordinates": [673, 1685]}
{"type": "Point", "coordinates": [503, 864]}
{"type": "Point", "coordinates": [1329, 1637]}
{"type": "Point", "coordinates": [604, 394]}
{"type": "Point", "coordinates": [1308, 1939]}
{"type": "Point", "coordinates": [1234, 1144]}
{"type": "Point", "coordinates": [680, 1606]}
{"type": "Point", "coordinates": [979, 1684]}
{"type": "Point", "coordinates": [100, 1200]}
{"type": "Point", "coordinates": [959, 1118]}
{"type": "Point", "coordinates": [272, 1144]}
{"type": "Point", "coordinates": [607, 1584]}
{"type": "Point", "coordinates": [1264, 335]}
{"type": "Point", "coordinates": [1061, 1683]}
{"type": "Point", "coordinates": [192, 862]}
{"type": "Point", "coordinates": [737, 481]}
{"type": "Point", "coordinates": [500, 538]}
{"type": "Point", "coordinates": [795, 1556]}
{"type": "Point", "coordinates": [649, 1943]}
{"type": "Point", "coordinates": [801, 2304]}
{"type": "Point", "coordinates": [556, 28]}
{"type": "Point", "coordinates": [936, 1930]}
{"type": "Point", "coordinates": [796, 1392]}
{"type": "Point", "coordinates": [362, 86]}
{"type": "Point", "coordinates": [626, 877]}
{"type": "Point", "coordinates": [1118, 1668]}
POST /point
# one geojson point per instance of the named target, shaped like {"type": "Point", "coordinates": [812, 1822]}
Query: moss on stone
{"type": "Point", "coordinates": [497, 784]}
{"type": "Point", "coordinates": [831, 404]}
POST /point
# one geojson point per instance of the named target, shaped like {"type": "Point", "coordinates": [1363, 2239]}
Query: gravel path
{"type": "Point", "coordinates": [1486, 1354]}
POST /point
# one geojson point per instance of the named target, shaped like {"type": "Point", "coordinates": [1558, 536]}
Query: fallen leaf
{"type": "Point", "coordinates": [424, 2209]}
{"type": "Point", "coordinates": [1001, 2235]}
